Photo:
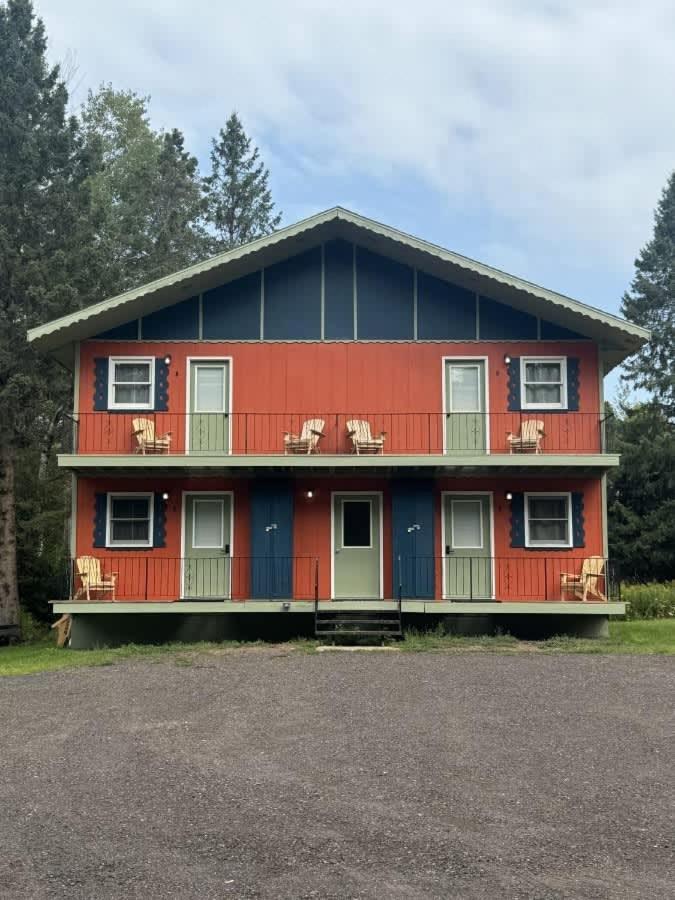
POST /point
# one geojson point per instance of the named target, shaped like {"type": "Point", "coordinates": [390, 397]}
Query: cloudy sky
{"type": "Point", "coordinates": [534, 135]}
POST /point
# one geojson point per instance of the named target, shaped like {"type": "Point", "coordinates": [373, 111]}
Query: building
{"type": "Point", "coordinates": [337, 420]}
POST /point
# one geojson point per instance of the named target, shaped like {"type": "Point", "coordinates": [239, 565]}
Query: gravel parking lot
{"type": "Point", "coordinates": [271, 773]}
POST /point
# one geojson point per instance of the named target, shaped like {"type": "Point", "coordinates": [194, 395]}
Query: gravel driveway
{"type": "Point", "coordinates": [269, 773]}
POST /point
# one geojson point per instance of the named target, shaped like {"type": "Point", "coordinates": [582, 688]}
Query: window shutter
{"type": "Point", "coordinates": [518, 520]}
{"type": "Point", "coordinates": [573, 384]}
{"type": "Point", "coordinates": [100, 514]}
{"type": "Point", "coordinates": [161, 386]}
{"type": "Point", "coordinates": [159, 522]}
{"type": "Point", "coordinates": [578, 533]}
{"type": "Point", "coordinates": [514, 384]}
{"type": "Point", "coordinates": [101, 384]}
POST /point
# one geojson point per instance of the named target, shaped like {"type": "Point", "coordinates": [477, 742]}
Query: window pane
{"type": "Point", "coordinates": [130, 508]}
{"type": "Point", "coordinates": [132, 372]}
{"type": "Point", "coordinates": [466, 524]}
{"type": "Point", "coordinates": [132, 393]}
{"type": "Point", "coordinates": [548, 531]}
{"type": "Point", "coordinates": [129, 531]}
{"type": "Point", "coordinates": [209, 389]}
{"type": "Point", "coordinates": [208, 526]}
{"type": "Point", "coordinates": [465, 387]}
{"type": "Point", "coordinates": [356, 523]}
{"type": "Point", "coordinates": [542, 371]}
{"type": "Point", "coordinates": [550, 394]}
{"type": "Point", "coordinates": [548, 508]}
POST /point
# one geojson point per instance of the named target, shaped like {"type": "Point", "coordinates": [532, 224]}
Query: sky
{"type": "Point", "coordinates": [533, 135]}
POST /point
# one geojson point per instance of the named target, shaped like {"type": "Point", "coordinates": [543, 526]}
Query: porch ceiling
{"type": "Point", "coordinates": [544, 465]}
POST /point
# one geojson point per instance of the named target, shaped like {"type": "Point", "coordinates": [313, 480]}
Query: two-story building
{"type": "Point", "coordinates": [340, 422]}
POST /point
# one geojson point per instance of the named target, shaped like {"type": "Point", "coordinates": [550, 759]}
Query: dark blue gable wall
{"type": "Point", "coordinates": [384, 291]}
{"type": "Point", "coordinates": [126, 332]}
{"type": "Point", "coordinates": [231, 312]}
{"type": "Point", "coordinates": [179, 322]}
{"type": "Point", "coordinates": [499, 322]}
{"type": "Point", "coordinates": [444, 311]}
{"type": "Point", "coordinates": [293, 298]}
{"type": "Point", "coordinates": [339, 291]}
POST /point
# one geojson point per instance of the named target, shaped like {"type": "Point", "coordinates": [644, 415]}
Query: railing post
{"type": "Point", "coordinates": [471, 578]}
{"type": "Point", "coordinates": [400, 579]}
{"type": "Point", "coordinates": [316, 580]}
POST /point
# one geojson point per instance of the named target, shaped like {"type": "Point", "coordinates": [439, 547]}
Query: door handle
{"type": "Point", "coordinates": [414, 527]}
{"type": "Point", "coordinates": [227, 549]}
{"type": "Point", "coordinates": [448, 549]}
{"type": "Point", "coordinates": [272, 527]}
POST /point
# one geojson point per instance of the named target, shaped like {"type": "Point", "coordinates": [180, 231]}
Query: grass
{"type": "Point", "coordinates": [650, 601]}
{"type": "Point", "coordinates": [651, 636]}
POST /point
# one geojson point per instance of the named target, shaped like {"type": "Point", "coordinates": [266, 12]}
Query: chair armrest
{"type": "Point", "coordinates": [318, 433]}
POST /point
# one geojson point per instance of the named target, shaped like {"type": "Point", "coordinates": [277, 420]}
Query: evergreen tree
{"type": "Point", "coordinates": [240, 205]}
{"type": "Point", "coordinates": [651, 303]}
{"type": "Point", "coordinates": [43, 202]}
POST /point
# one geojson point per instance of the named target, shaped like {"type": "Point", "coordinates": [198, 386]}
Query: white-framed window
{"type": "Point", "coordinates": [357, 518]}
{"type": "Point", "coordinates": [543, 382]}
{"type": "Point", "coordinates": [208, 522]}
{"type": "Point", "coordinates": [131, 382]}
{"type": "Point", "coordinates": [548, 520]}
{"type": "Point", "coordinates": [130, 519]}
{"type": "Point", "coordinates": [466, 524]}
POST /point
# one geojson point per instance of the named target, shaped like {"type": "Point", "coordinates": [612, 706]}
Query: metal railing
{"type": "Point", "coordinates": [261, 434]}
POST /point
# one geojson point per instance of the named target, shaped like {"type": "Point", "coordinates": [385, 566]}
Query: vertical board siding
{"type": "Point", "coordinates": [551, 332]}
{"type": "Point", "coordinates": [293, 298]}
{"type": "Point", "coordinates": [444, 310]}
{"type": "Point", "coordinates": [385, 298]}
{"type": "Point", "coordinates": [271, 547]}
{"type": "Point", "coordinates": [178, 322]}
{"type": "Point", "coordinates": [412, 503]}
{"type": "Point", "coordinates": [501, 322]}
{"type": "Point", "coordinates": [126, 332]}
{"type": "Point", "coordinates": [338, 291]}
{"type": "Point", "coordinates": [232, 311]}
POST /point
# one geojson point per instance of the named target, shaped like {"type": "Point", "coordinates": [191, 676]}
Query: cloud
{"type": "Point", "coordinates": [546, 126]}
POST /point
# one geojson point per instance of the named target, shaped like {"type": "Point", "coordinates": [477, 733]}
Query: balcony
{"type": "Point", "coordinates": [354, 439]}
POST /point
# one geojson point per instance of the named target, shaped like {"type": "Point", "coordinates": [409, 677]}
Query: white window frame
{"type": "Point", "coordinates": [213, 365]}
{"type": "Point", "coordinates": [134, 360]}
{"type": "Point", "coordinates": [546, 360]}
{"type": "Point", "coordinates": [479, 370]}
{"type": "Point", "coordinates": [551, 495]}
{"type": "Point", "coordinates": [367, 500]}
{"type": "Point", "coordinates": [453, 503]}
{"type": "Point", "coordinates": [218, 501]}
{"type": "Point", "coordinates": [126, 495]}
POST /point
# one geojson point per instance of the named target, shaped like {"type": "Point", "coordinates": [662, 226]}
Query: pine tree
{"type": "Point", "coordinates": [651, 303]}
{"type": "Point", "coordinates": [240, 205]}
{"type": "Point", "coordinates": [43, 201]}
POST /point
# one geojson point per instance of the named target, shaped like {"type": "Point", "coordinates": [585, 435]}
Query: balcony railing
{"type": "Point", "coordinates": [275, 434]}
{"type": "Point", "coordinates": [144, 577]}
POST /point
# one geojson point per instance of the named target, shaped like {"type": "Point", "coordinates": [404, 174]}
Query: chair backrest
{"type": "Point", "coordinates": [89, 569]}
{"type": "Point", "coordinates": [531, 429]}
{"type": "Point", "coordinates": [593, 566]}
{"type": "Point", "coordinates": [360, 430]}
{"type": "Point", "coordinates": [144, 429]}
{"type": "Point", "coordinates": [308, 429]}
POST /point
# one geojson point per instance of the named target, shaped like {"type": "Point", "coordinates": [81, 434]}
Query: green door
{"type": "Point", "coordinates": [357, 547]}
{"type": "Point", "coordinates": [209, 425]}
{"type": "Point", "coordinates": [465, 426]}
{"type": "Point", "coordinates": [467, 558]}
{"type": "Point", "coordinates": [207, 539]}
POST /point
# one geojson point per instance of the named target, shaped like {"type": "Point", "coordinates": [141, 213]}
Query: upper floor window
{"type": "Point", "coordinates": [129, 520]}
{"type": "Point", "coordinates": [543, 382]}
{"type": "Point", "coordinates": [131, 383]}
{"type": "Point", "coordinates": [548, 520]}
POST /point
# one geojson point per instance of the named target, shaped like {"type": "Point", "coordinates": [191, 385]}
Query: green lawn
{"type": "Point", "coordinates": [636, 636]}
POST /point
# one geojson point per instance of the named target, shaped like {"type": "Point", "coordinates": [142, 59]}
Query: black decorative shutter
{"type": "Point", "coordinates": [514, 384]}
{"type": "Point", "coordinates": [161, 386]}
{"type": "Point", "coordinates": [578, 531]}
{"type": "Point", "coordinates": [100, 515]}
{"type": "Point", "coordinates": [518, 520]}
{"type": "Point", "coordinates": [159, 522]}
{"type": "Point", "coordinates": [101, 384]}
{"type": "Point", "coordinates": [573, 384]}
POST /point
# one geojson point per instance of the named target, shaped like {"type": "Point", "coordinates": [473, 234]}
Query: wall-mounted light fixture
{"type": "Point", "coordinates": [165, 496]}
{"type": "Point", "coordinates": [509, 496]}
{"type": "Point", "coordinates": [309, 494]}
{"type": "Point", "coordinates": [507, 359]}
{"type": "Point", "coordinates": [167, 359]}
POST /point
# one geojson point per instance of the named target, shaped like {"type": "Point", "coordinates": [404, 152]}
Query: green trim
{"type": "Point", "coordinates": [194, 279]}
{"type": "Point", "coordinates": [304, 606]}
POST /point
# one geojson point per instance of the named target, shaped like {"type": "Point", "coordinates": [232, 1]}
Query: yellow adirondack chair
{"type": "Point", "coordinates": [63, 626]}
{"type": "Point", "coordinates": [358, 430]}
{"type": "Point", "coordinates": [308, 439]}
{"type": "Point", "coordinates": [91, 580]}
{"type": "Point", "coordinates": [529, 438]}
{"type": "Point", "coordinates": [588, 583]}
{"type": "Point", "coordinates": [147, 440]}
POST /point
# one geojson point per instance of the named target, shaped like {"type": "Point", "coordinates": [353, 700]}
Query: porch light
{"type": "Point", "coordinates": [507, 359]}
{"type": "Point", "coordinates": [309, 494]}
{"type": "Point", "coordinates": [165, 496]}
{"type": "Point", "coordinates": [509, 496]}
{"type": "Point", "coordinates": [167, 359]}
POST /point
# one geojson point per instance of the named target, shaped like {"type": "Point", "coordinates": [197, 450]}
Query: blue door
{"type": "Point", "coordinates": [412, 512]}
{"type": "Point", "coordinates": [272, 540]}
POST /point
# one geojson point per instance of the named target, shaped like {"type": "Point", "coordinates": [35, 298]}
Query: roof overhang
{"type": "Point", "coordinates": [616, 337]}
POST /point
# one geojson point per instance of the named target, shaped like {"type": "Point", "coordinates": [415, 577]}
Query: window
{"type": "Point", "coordinates": [131, 383]}
{"type": "Point", "coordinates": [209, 389]}
{"type": "Point", "coordinates": [207, 525]}
{"type": "Point", "coordinates": [129, 520]}
{"type": "Point", "coordinates": [356, 519]}
{"type": "Point", "coordinates": [467, 524]}
{"type": "Point", "coordinates": [543, 383]}
{"type": "Point", "coordinates": [548, 520]}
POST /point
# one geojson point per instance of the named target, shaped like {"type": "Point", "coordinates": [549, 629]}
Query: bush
{"type": "Point", "coordinates": [649, 601]}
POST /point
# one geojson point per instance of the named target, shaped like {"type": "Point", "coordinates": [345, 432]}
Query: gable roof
{"type": "Point", "coordinates": [617, 337]}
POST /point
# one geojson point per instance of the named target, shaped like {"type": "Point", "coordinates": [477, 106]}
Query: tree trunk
{"type": "Point", "coordinates": [9, 590]}
{"type": "Point", "coordinates": [48, 444]}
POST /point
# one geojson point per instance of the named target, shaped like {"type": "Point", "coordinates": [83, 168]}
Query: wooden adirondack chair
{"type": "Point", "coordinates": [63, 626]}
{"type": "Point", "coordinates": [358, 430]}
{"type": "Point", "coordinates": [91, 580]}
{"type": "Point", "coordinates": [148, 442]}
{"type": "Point", "coordinates": [529, 438]}
{"type": "Point", "coordinates": [308, 439]}
{"type": "Point", "coordinates": [586, 584]}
